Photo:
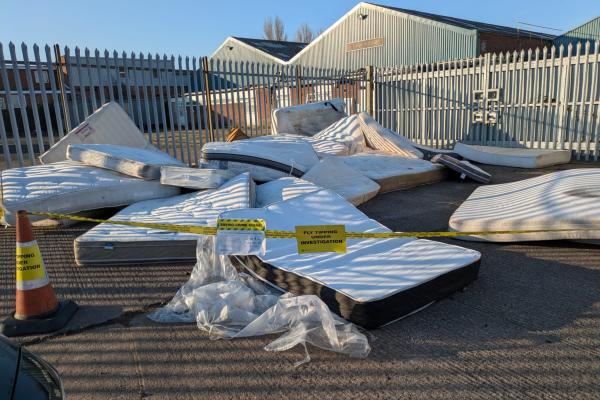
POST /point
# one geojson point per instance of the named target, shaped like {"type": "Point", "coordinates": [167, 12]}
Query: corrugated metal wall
{"type": "Point", "coordinates": [233, 50]}
{"type": "Point", "coordinates": [407, 40]}
{"type": "Point", "coordinates": [588, 31]}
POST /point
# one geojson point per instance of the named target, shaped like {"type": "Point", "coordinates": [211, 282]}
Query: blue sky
{"type": "Point", "coordinates": [196, 28]}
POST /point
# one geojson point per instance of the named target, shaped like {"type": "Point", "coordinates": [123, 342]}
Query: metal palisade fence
{"type": "Point", "coordinates": [179, 103]}
{"type": "Point", "coordinates": [544, 98]}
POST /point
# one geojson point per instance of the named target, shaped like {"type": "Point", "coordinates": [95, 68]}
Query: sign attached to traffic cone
{"type": "Point", "coordinates": [37, 310]}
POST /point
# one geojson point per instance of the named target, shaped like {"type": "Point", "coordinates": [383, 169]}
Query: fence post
{"type": "Point", "coordinates": [298, 85]}
{"type": "Point", "coordinates": [208, 104]}
{"type": "Point", "coordinates": [370, 91]}
{"type": "Point", "coordinates": [61, 87]}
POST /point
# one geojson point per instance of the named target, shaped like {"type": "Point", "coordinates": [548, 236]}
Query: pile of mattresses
{"type": "Point", "coordinates": [80, 175]}
{"type": "Point", "coordinates": [314, 174]}
{"type": "Point", "coordinates": [354, 155]}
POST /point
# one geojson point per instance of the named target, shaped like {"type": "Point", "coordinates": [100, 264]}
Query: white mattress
{"type": "Point", "coordinates": [119, 244]}
{"type": "Point", "coordinates": [107, 125]}
{"type": "Point", "coordinates": [68, 187]}
{"type": "Point", "coordinates": [307, 119]}
{"type": "Point", "coordinates": [282, 189]}
{"type": "Point", "coordinates": [346, 131]}
{"type": "Point", "coordinates": [139, 163]}
{"type": "Point", "coordinates": [513, 157]}
{"type": "Point", "coordinates": [393, 172]}
{"type": "Point", "coordinates": [383, 139]}
{"type": "Point", "coordinates": [194, 178]}
{"type": "Point", "coordinates": [284, 154]}
{"type": "Point", "coordinates": [332, 173]}
{"type": "Point", "coordinates": [370, 270]}
{"type": "Point", "coordinates": [323, 147]}
{"type": "Point", "coordinates": [560, 200]}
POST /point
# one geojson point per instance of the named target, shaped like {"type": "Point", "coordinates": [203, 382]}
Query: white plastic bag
{"type": "Point", "coordinates": [231, 305]}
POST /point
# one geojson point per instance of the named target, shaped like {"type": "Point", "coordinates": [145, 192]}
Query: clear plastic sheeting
{"type": "Point", "coordinates": [228, 305]}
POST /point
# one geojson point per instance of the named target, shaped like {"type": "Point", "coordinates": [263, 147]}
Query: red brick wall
{"type": "Point", "coordinates": [495, 43]}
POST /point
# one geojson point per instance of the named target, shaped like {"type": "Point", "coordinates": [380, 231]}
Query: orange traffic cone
{"type": "Point", "coordinates": [37, 309]}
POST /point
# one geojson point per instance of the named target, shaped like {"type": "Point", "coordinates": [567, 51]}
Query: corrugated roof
{"type": "Point", "coordinates": [589, 30]}
{"type": "Point", "coordinates": [467, 24]}
{"type": "Point", "coordinates": [280, 49]}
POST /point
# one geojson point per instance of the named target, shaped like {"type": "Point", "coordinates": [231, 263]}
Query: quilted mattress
{"type": "Point", "coordinates": [194, 178]}
{"type": "Point", "coordinates": [109, 124]}
{"type": "Point", "coordinates": [393, 172]}
{"type": "Point", "coordinates": [282, 154]}
{"type": "Point", "coordinates": [560, 200]}
{"type": "Point", "coordinates": [332, 173]}
{"type": "Point", "coordinates": [383, 139]}
{"type": "Point", "coordinates": [282, 189]}
{"type": "Point", "coordinates": [68, 187]}
{"type": "Point", "coordinates": [346, 131]}
{"type": "Point", "coordinates": [119, 244]}
{"type": "Point", "coordinates": [307, 119]}
{"type": "Point", "coordinates": [139, 163]}
{"type": "Point", "coordinates": [513, 156]}
{"type": "Point", "coordinates": [376, 281]}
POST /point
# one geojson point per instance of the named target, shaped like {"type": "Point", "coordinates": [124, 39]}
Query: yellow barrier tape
{"type": "Point", "coordinates": [278, 234]}
{"type": "Point", "coordinates": [228, 224]}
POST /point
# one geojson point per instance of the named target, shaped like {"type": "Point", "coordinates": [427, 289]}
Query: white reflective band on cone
{"type": "Point", "coordinates": [33, 284]}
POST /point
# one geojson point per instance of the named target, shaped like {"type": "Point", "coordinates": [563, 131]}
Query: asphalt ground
{"type": "Point", "coordinates": [528, 328]}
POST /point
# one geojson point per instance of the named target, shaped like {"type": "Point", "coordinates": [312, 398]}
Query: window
{"type": "Point", "coordinates": [41, 76]}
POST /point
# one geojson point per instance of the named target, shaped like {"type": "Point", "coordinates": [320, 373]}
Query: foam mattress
{"type": "Point", "coordinates": [376, 281]}
{"type": "Point", "coordinates": [560, 200]}
{"type": "Point", "coordinates": [285, 155]}
{"type": "Point", "coordinates": [513, 157]}
{"type": "Point", "coordinates": [307, 119]}
{"type": "Point", "coordinates": [110, 124]}
{"type": "Point", "coordinates": [68, 187]}
{"type": "Point", "coordinates": [393, 172]}
{"type": "Point", "coordinates": [139, 163]}
{"type": "Point", "coordinates": [194, 178]}
{"type": "Point", "coordinates": [332, 173]}
{"type": "Point", "coordinates": [282, 189]}
{"type": "Point", "coordinates": [119, 244]}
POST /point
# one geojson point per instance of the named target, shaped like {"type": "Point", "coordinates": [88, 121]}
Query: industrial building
{"type": "Point", "coordinates": [379, 35]}
{"type": "Point", "coordinates": [257, 50]}
{"type": "Point", "coordinates": [589, 31]}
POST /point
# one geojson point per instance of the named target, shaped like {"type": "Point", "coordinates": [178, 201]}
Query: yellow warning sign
{"type": "Point", "coordinates": [30, 266]}
{"type": "Point", "coordinates": [241, 225]}
{"type": "Point", "coordinates": [321, 238]}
